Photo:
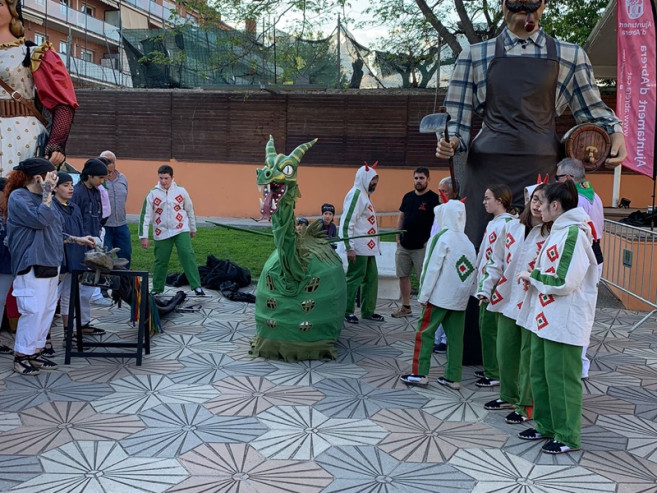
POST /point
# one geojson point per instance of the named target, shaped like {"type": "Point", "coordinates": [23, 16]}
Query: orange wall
{"type": "Point", "coordinates": [229, 190]}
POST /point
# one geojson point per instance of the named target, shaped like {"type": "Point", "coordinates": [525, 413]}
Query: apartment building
{"type": "Point", "coordinates": [87, 33]}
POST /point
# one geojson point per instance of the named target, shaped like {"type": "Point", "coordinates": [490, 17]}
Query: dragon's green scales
{"type": "Point", "coordinates": [301, 293]}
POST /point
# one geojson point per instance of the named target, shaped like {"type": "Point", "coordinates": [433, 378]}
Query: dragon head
{"type": "Point", "coordinates": [278, 177]}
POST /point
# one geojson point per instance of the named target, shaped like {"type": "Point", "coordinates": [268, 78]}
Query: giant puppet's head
{"type": "Point", "coordinates": [279, 177]}
{"type": "Point", "coordinates": [16, 24]}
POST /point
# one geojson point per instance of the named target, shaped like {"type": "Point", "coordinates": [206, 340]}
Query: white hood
{"type": "Point", "coordinates": [364, 176]}
{"type": "Point", "coordinates": [451, 215]}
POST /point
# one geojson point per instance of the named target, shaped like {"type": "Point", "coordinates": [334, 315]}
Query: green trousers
{"type": "Point", "coordinates": [364, 274]}
{"type": "Point", "coordinates": [183, 243]}
{"type": "Point", "coordinates": [556, 379]}
{"type": "Point", "coordinates": [454, 324]}
{"type": "Point", "coordinates": [488, 332]}
{"type": "Point", "coordinates": [513, 353]}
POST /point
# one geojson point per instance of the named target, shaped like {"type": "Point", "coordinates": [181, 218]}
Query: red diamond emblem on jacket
{"type": "Point", "coordinates": [532, 264]}
{"type": "Point", "coordinates": [539, 244]}
{"type": "Point", "coordinates": [371, 209]}
{"type": "Point", "coordinates": [158, 231]}
{"type": "Point", "coordinates": [176, 207]}
{"type": "Point", "coordinates": [545, 299]}
{"type": "Point", "coordinates": [489, 253]}
{"type": "Point", "coordinates": [510, 240]}
{"type": "Point", "coordinates": [495, 297]}
{"type": "Point", "coordinates": [179, 226]}
{"type": "Point", "coordinates": [371, 231]}
{"type": "Point", "coordinates": [180, 199]}
{"type": "Point", "coordinates": [156, 201]}
{"type": "Point", "coordinates": [158, 210]}
{"type": "Point", "coordinates": [550, 270]}
{"type": "Point", "coordinates": [508, 258]}
{"type": "Point", "coordinates": [372, 219]}
{"type": "Point", "coordinates": [552, 253]}
{"type": "Point", "coordinates": [371, 244]}
{"type": "Point", "coordinates": [179, 217]}
{"type": "Point", "coordinates": [519, 305]}
{"type": "Point", "coordinates": [492, 237]}
{"type": "Point", "coordinates": [502, 280]}
{"type": "Point", "coordinates": [541, 321]}
{"type": "Point", "coordinates": [158, 220]}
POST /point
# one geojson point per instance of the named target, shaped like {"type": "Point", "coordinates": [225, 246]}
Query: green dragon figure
{"type": "Point", "coordinates": [301, 293]}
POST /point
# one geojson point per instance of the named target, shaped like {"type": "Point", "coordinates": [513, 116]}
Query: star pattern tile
{"type": "Point", "coordinates": [202, 415]}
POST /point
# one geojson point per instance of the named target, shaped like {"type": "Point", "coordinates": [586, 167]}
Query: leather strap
{"type": "Point", "coordinates": [16, 96]}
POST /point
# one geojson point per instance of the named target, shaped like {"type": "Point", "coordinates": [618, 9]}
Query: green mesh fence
{"type": "Point", "coordinates": [192, 57]}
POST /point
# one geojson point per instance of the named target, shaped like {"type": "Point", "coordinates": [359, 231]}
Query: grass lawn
{"type": "Point", "coordinates": [245, 249]}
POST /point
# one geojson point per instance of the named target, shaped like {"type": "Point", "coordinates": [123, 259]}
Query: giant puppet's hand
{"type": "Point", "coordinates": [445, 149]}
{"type": "Point", "coordinates": [618, 151]}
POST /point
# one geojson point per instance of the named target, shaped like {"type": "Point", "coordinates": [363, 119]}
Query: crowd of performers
{"type": "Point", "coordinates": [536, 276]}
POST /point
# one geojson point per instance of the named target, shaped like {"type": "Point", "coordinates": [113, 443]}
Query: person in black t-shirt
{"type": "Point", "coordinates": [416, 218]}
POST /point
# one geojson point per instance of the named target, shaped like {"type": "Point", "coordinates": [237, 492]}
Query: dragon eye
{"type": "Point", "coordinates": [288, 170]}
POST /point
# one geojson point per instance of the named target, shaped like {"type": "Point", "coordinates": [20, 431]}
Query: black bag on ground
{"type": "Point", "coordinates": [232, 291]}
{"type": "Point", "coordinates": [214, 273]}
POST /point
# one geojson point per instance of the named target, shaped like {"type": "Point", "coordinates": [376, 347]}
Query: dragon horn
{"type": "Point", "coordinates": [539, 180]}
{"type": "Point", "coordinates": [301, 149]}
{"type": "Point", "coordinates": [443, 197]}
{"type": "Point", "coordinates": [375, 164]}
{"type": "Point", "coordinates": [463, 199]}
{"type": "Point", "coordinates": [367, 166]}
{"type": "Point", "coordinates": [547, 177]}
{"type": "Point", "coordinates": [270, 150]}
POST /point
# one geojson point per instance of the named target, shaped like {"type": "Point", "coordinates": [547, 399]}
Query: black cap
{"type": "Point", "coordinates": [302, 220]}
{"type": "Point", "coordinates": [35, 166]}
{"type": "Point", "coordinates": [328, 207]}
{"type": "Point", "coordinates": [94, 167]}
{"type": "Point", "coordinates": [63, 177]}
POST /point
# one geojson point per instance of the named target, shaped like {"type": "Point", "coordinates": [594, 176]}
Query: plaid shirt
{"type": "Point", "coordinates": [576, 85]}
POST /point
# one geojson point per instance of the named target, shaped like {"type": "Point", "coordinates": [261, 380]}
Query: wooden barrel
{"type": "Point", "coordinates": [589, 143]}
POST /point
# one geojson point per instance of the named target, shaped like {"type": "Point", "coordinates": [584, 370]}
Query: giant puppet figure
{"type": "Point", "coordinates": [24, 68]}
{"type": "Point", "coordinates": [519, 82]}
{"type": "Point", "coordinates": [301, 293]}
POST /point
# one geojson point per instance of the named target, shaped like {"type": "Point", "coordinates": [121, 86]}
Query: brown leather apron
{"type": "Point", "coordinates": [518, 138]}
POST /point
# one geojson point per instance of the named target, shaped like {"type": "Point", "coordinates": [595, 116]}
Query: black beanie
{"type": "Point", "coordinates": [64, 177]}
{"type": "Point", "coordinates": [94, 167]}
{"type": "Point", "coordinates": [35, 166]}
{"type": "Point", "coordinates": [328, 207]}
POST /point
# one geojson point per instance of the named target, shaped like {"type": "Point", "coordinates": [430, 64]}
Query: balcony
{"type": "Point", "coordinates": [90, 71]}
{"type": "Point", "coordinates": [55, 10]}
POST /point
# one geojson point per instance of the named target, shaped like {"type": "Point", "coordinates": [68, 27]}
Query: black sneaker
{"type": "Point", "coordinates": [498, 405]}
{"type": "Point", "coordinates": [376, 317]}
{"type": "Point", "coordinates": [479, 373]}
{"type": "Point", "coordinates": [351, 318]}
{"type": "Point", "coordinates": [556, 447]}
{"type": "Point", "coordinates": [90, 330]}
{"type": "Point", "coordinates": [440, 348]}
{"type": "Point", "coordinates": [531, 434]}
{"type": "Point", "coordinates": [199, 292]}
{"type": "Point", "coordinates": [487, 382]}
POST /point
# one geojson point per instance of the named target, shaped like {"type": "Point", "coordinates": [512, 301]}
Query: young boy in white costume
{"type": "Point", "coordinates": [449, 261]}
{"type": "Point", "coordinates": [559, 308]}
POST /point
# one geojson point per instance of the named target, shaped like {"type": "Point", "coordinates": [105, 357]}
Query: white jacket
{"type": "Point", "coordinates": [448, 273]}
{"type": "Point", "coordinates": [492, 233]}
{"type": "Point", "coordinates": [358, 215]}
{"type": "Point", "coordinates": [515, 254]}
{"type": "Point", "coordinates": [169, 211]}
{"type": "Point", "coordinates": [560, 303]}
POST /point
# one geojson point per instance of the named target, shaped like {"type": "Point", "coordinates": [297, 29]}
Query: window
{"type": "Point", "coordinates": [87, 9]}
{"type": "Point", "coordinates": [63, 47]}
{"type": "Point", "coordinates": [87, 55]}
{"type": "Point", "coordinates": [39, 38]}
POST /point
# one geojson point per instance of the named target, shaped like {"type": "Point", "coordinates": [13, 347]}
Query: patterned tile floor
{"type": "Point", "coordinates": [201, 416]}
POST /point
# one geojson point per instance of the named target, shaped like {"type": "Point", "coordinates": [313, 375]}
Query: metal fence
{"type": "Point", "coordinates": [629, 263]}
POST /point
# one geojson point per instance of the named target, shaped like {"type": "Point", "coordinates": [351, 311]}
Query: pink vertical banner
{"type": "Point", "coordinates": [635, 95]}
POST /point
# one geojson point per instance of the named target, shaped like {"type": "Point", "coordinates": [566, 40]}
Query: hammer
{"type": "Point", "coordinates": [437, 123]}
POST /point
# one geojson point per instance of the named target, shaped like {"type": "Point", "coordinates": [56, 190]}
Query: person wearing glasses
{"type": "Point", "coordinates": [571, 169]}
